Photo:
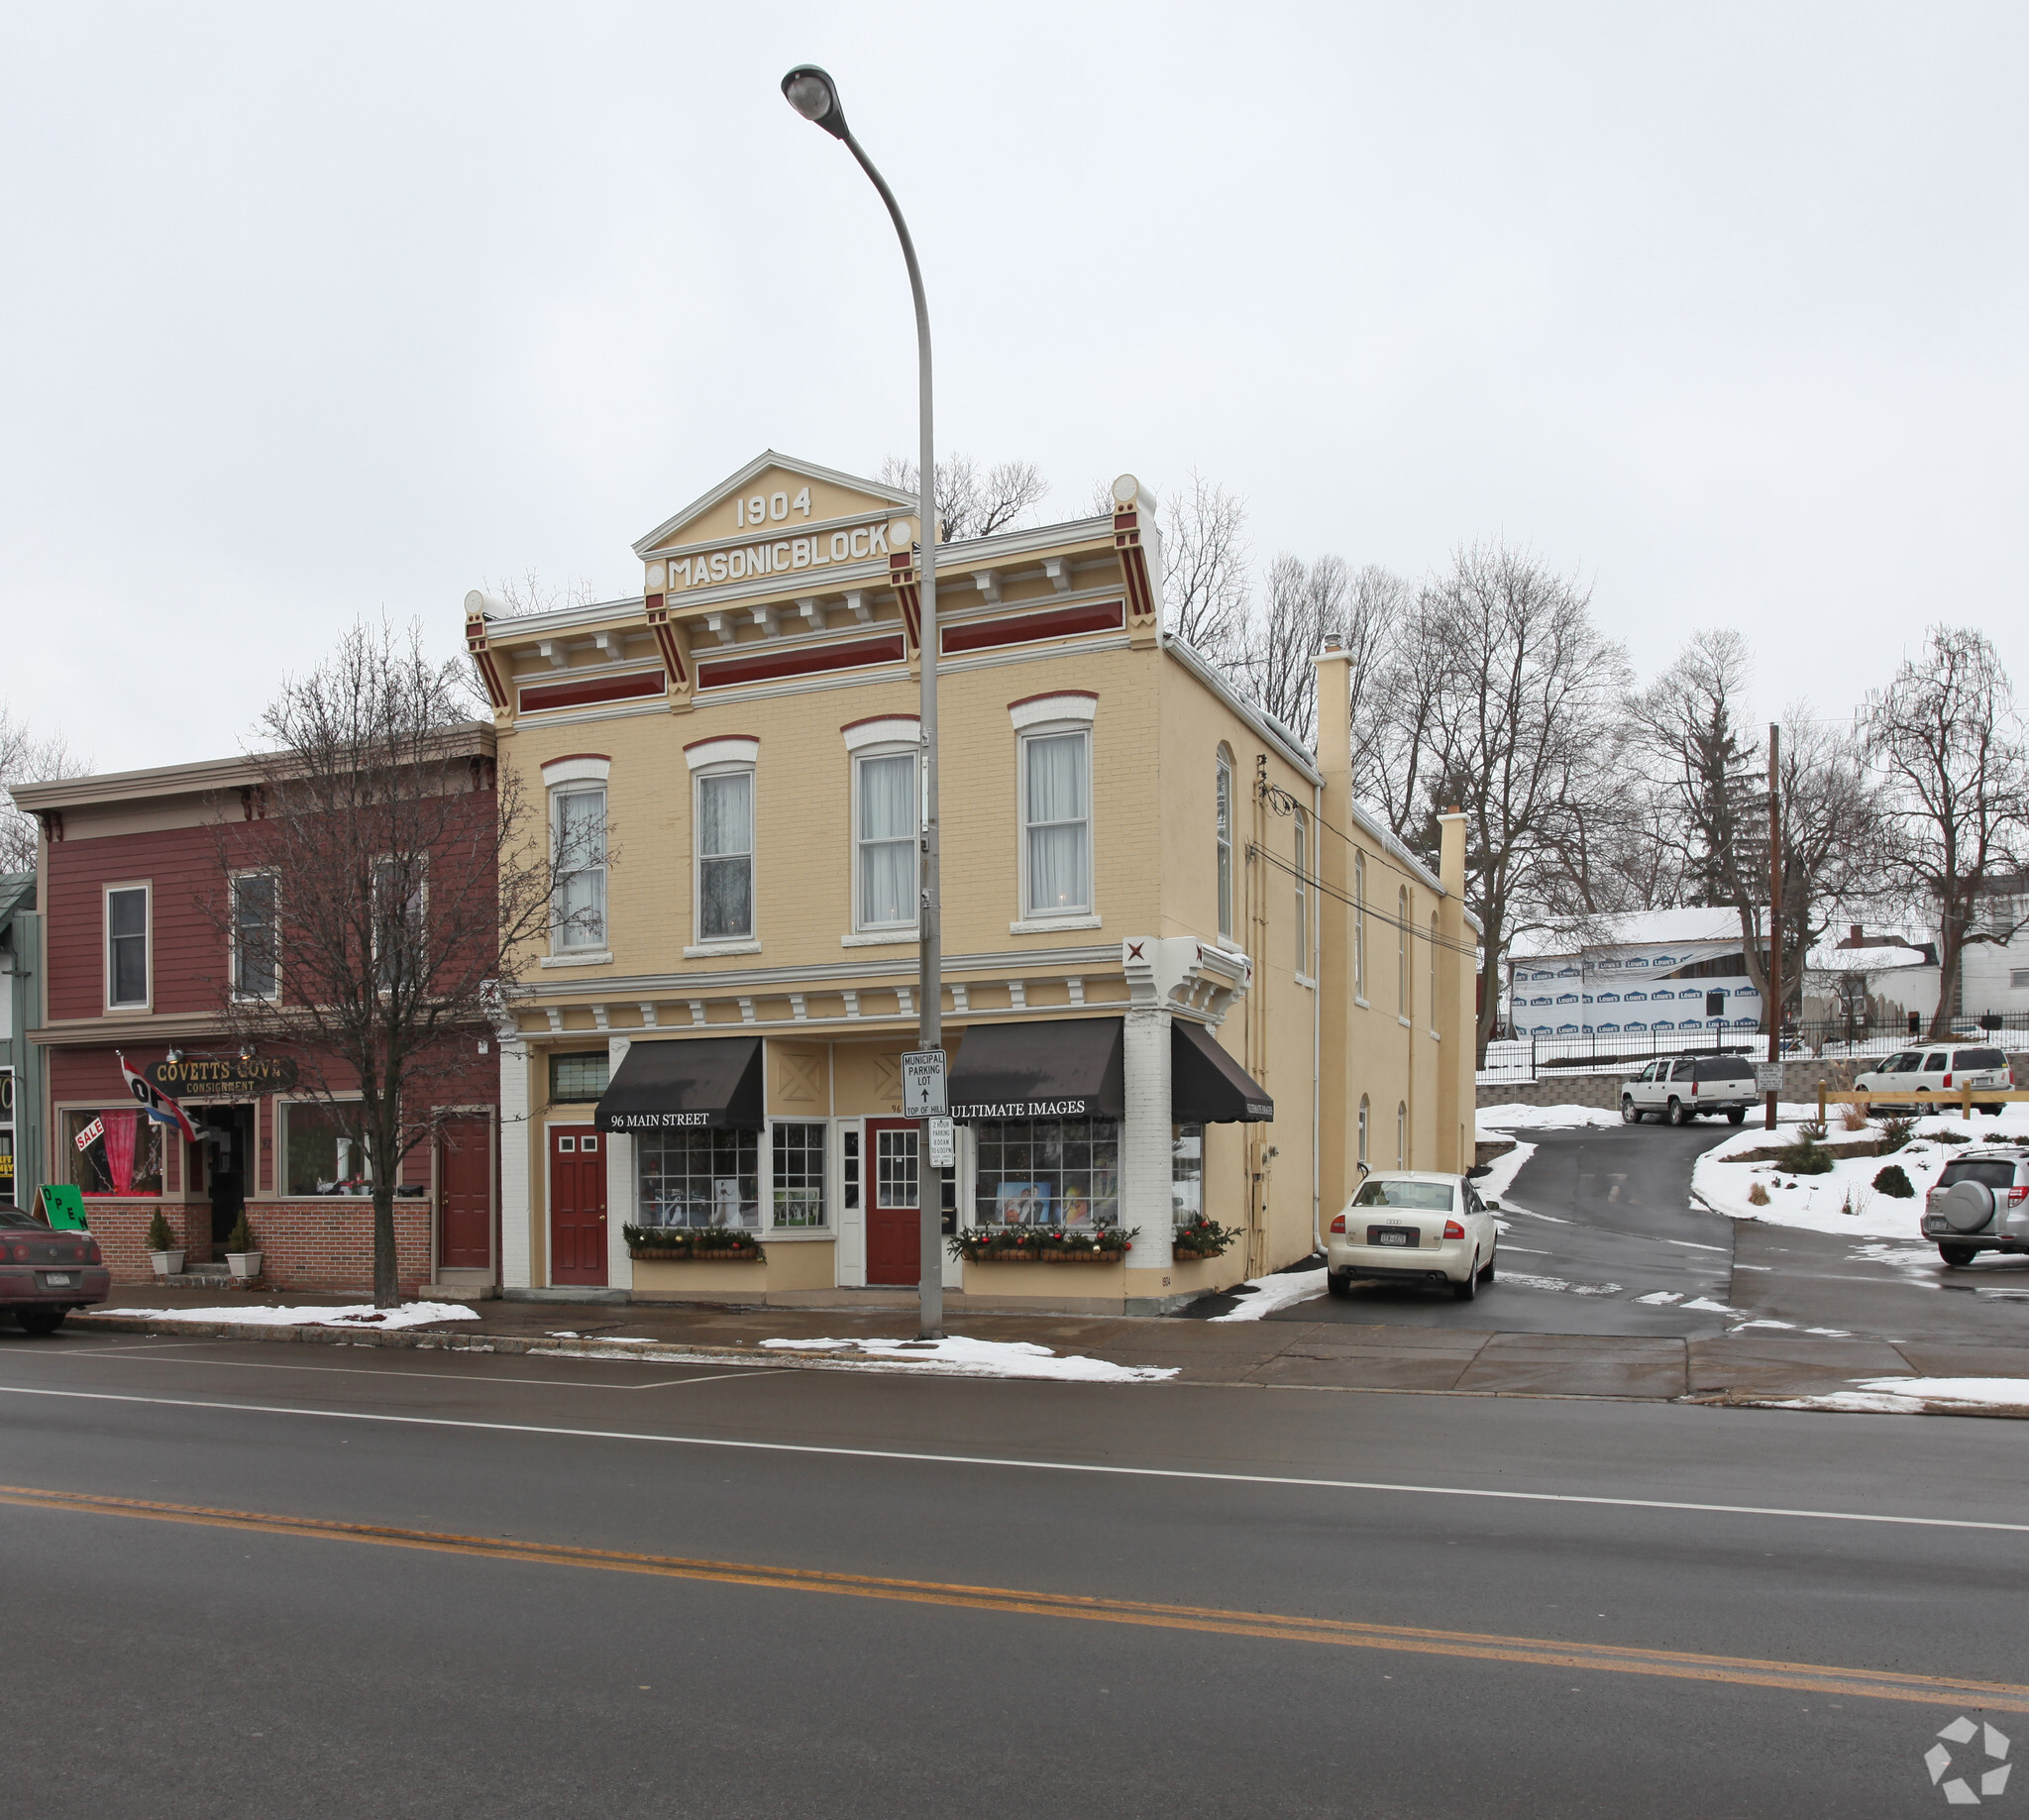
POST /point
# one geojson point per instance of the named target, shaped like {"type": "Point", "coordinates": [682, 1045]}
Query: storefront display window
{"type": "Point", "coordinates": [798, 1182]}
{"type": "Point", "coordinates": [1185, 1173]}
{"type": "Point", "coordinates": [121, 1152]}
{"type": "Point", "coordinates": [322, 1158]}
{"type": "Point", "coordinates": [1048, 1172]}
{"type": "Point", "coordinates": [699, 1178]}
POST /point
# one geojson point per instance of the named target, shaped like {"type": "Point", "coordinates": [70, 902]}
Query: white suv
{"type": "Point", "coordinates": [1981, 1204]}
{"type": "Point", "coordinates": [1689, 1088]}
{"type": "Point", "coordinates": [1939, 1070]}
{"type": "Point", "coordinates": [1408, 1225]}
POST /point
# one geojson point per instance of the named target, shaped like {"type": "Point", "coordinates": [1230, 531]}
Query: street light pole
{"type": "Point", "coordinates": [813, 94]}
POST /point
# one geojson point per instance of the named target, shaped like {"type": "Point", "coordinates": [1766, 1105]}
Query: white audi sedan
{"type": "Point", "coordinates": [1408, 1225]}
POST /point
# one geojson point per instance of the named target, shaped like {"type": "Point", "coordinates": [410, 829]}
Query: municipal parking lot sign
{"type": "Point", "coordinates": [923, 1085]}
{"type": "Point", "coordinates": [1767, 1077]}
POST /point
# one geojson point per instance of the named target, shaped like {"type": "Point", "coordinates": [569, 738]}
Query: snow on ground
{"type": "Point", "coordinates": [364, 1313]}
{"type": "Point", "coordinates": [1503, 1170]}
{"type": "Point", "coordinates": [991, 1359]}
{"type": "Point", "coordinates": [1845, 1201]}
{"type": "Point", "coordinates": [1501, 1119]}
{"type": "Point", "coordinates": [1278, 1291]}
{"type": "Point", "coordinates": [1911, 1396]}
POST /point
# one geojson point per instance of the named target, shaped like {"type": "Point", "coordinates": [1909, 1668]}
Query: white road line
{"type": "Point", "coordinates": [1031, 1465]}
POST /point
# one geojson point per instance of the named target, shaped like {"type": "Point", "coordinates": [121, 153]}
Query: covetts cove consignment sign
{"type": "Point", "coordinates": [222, 1075]}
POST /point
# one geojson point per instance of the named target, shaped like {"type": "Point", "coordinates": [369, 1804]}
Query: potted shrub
{"type": "Point", "coordinates": [163, 1249]}
{"type": "Point", "coordinates": [243, 1251]}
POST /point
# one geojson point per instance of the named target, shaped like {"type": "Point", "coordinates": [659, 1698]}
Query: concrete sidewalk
{"type": "Point", "coordinates": [1307, 1355]}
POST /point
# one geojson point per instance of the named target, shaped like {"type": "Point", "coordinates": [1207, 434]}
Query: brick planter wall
{"type": "Point", "coordinates": [323, 1242]}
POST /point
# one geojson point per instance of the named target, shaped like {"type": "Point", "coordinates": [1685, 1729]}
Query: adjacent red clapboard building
{"type": "Point", "coordinates": [132, 867]}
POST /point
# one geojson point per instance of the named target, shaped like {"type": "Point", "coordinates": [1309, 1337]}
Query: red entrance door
{"type": "Point", "coordinates": [894, 1226]}
{"type": "Point", "coordinates": [578, 1205]}
{"type": "Point", "coordinates": [464, 1194]}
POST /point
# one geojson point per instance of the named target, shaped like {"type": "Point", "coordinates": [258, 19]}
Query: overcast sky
{"type": "Point", "coordinates": [316, 311]}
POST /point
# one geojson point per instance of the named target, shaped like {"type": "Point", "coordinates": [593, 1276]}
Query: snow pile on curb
{"type": "Point", "coordinates": [1816, 1203]}
{"type": "Point", "coordinates": [1913, 1396]}
{"type": "Point", "coordinates": [363, 1313]}
{"type": "Point", "coordinates": [987, 1358]}
{"type": "Point", "coordinates": [1282, 1290]}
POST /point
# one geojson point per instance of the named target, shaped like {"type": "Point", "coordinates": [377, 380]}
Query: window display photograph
{"type": "Point", "coordinates": [1048, 1172]}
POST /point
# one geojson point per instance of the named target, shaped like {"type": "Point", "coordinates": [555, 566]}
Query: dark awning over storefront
{"type": "Point", "coordinates": [1062, 1068]}
{"type": "Point", "coordinates": [1205, 1084]}
{"type": "Point", "coordinates": [707, 1081]}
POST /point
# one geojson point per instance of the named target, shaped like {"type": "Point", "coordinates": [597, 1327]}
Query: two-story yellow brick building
{"type": "Point", "coordinates": [1184, 974]}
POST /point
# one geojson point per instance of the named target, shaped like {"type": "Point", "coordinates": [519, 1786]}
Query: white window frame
{"type": "Point", "coordinates": [829, 1180]}
{"type": "Point", "coordinates": [1432, 1009]}
{"type": "Point", "coordinates": [1222, 821]}
{"type": "Point", "coordinates": [1306, 922]}
{"type": "Point", "coordinates": [1405, 996]}
{"type": "Point", "coordinates": [1360, 930]}
{"type": "Point", "coordinates": [233, 935]}
{"type": "Point", "coordinates": [285, 1108]}
{"type": "Point", "coordinates": [1033, 922]}
{"type": "Point", "coordinates": [147, 889]}
{"type": "Point", "coordinates": [561, 937]}
{"type": "Point", "coordinates": [422, 908]}
{"type": "Point", "coordinates": [720, 758]}
{"type": "Point", "coordinates": [908, 928]}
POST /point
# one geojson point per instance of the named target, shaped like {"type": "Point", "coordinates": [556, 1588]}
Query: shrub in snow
{"type": "Point", "coordinates": [1893, 1182]}
{"type": "Point", "coordinates": [1898, 1128]}
{"type": "Point", "coordinates": [1758, 1196]}
{"type": "Point", "coordinates": [1853, 1117]}
{"type": "Point", "coordinates": [1808, 1155]}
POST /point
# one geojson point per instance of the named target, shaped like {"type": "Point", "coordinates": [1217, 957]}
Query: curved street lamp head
{"type": "Point", "coordinates": [813, 94]}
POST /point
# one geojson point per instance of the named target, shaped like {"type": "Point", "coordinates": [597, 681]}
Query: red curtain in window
{"type": "Point", "coordinates": [122, 1128]}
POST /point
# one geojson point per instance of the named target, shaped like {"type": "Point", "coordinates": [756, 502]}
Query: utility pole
{"type": "Point", "coordinates": [1774, 911]}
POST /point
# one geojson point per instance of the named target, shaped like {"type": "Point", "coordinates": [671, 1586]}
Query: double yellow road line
{"type": "Point", "coordinates": [1536, 1652]}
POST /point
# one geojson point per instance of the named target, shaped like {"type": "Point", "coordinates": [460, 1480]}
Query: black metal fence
{"type": "Point", "coordinates": [1529, 1057]}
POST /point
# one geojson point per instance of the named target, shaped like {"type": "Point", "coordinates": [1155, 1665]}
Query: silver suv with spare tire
{"type": "Point", "coordinates": [1981, 1204]}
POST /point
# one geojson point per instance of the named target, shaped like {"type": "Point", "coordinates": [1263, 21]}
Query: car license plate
{"type": "Point", "coordinates": [57, 1279]}
{"type": "Point", "coordinates": [1932, 1223]}
{"type": "Point", "coordinates": [1393, 1235]}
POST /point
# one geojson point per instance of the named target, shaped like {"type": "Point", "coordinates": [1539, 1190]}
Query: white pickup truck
{"type": "Point", "coordinates": [1689, 1087]}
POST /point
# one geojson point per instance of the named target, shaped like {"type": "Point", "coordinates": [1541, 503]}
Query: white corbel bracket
{"type": "Point", "coordinates": [1182, 973]}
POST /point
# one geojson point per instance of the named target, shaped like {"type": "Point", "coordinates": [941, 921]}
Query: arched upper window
{"type": "Point", "coordinates": [1303, 896]}
{"type": "Point", "coordinates": [1402, 1134]}
{"type": "Point", "coordinates": [1434, 971]}
{"type": "Point", "coordinates": [1224, 837]}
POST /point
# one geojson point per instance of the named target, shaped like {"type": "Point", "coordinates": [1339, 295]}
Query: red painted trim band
{"type": "Point", "coordinates": [1031, 628]}
{"type": "Point", "coordinates": [583, 694]}
{"type": "Point", "coordinates": [810, 661]}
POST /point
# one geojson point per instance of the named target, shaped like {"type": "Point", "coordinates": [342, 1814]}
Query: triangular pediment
{"type": "Point", "coordinates": [791, 493]}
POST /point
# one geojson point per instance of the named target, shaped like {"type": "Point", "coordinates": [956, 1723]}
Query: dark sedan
{"type": "Point", "coordinates": [44, 1274]}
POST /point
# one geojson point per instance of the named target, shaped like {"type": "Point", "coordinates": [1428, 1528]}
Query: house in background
{"type": "Point", "coordinates": [1993, 977]}
{"type": "Point", "coordinates": [1673, 972]}
{"type": "Point", "coordinates": [1863, 980]}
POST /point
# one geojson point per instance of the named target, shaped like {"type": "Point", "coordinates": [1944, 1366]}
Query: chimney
{"type": "Point", "coordinates": [1451, 851]}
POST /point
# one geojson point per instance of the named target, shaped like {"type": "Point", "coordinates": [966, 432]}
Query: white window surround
{"type": "Point", "coordinates": [909, 747]}
{"type": "Point", "coordinates": [600, 959]}
{"type": "Point", "coordinates": [731, 750]}
{"type": "Point", "coordinates": [883, 730]}
{"type": "Point", "coordinates": [1034, 714]}
{"type": "Point", "coordinates": [1083, 709]}
{"type": "Point", "coordinates": [561, 792]}
{"type": "Point", "coordinates": [577, 768]}
{"type": "Point", "coordinates": [147, 888]}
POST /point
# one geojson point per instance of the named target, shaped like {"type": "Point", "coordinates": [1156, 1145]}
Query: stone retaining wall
{"type": "Point", "coordinates": [1800, 1078]}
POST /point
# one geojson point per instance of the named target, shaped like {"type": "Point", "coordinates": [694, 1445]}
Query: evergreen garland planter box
{"type": "Point", "coordinates": [649, 1244]}
{"type": "Point", "coordinates": [991, 1246]}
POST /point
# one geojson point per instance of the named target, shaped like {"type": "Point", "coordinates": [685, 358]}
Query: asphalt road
{"type": "Point", "coordinates": [1597, 1218]}
{"type": "Point", "coordinates": [162, 1663]}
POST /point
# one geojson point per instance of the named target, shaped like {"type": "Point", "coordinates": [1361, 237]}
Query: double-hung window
{"type": "Point", "coordinates": [725, 855]}
{"type": "Point", "coordinates": [399, 960]}
{"type": "Point", "coordinates": [1223, 817]}
{"type": "Point", "coordinates": [1402, 988]}
{"type": "Point", "coordinates": [127, 945]}
{"type": "Point", "coordinates": [577, 835]}
{"type": "Point", "coordinates": [1303, 896]}
{"type": "Point", "coordinates": [1359, 927]}
{"type": "Point", "coordinates": [1056, 774]}
{"type": "Point", "coordinates": [885, 795]}
{"type": "Point", "coordinates": [257, 935]}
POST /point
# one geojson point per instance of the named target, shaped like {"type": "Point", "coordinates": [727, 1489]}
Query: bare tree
{"type": "Point", "coordinates": [28, 757]}
{"type": "Point", "coordinates": [1303, 605]}
{"type": "Point", "coordinates": [1205, 569]}
{"type": "Point", "coordinates": [528, 592]}
{"type": "Point", "coordinates": [1946, 741]}
{"type": "Point", "coordinates": [377, 887]}
{"type": "Point", "coordinates": [971, 504]}
{"type": "Point", "coordinates": [1502, 698]}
